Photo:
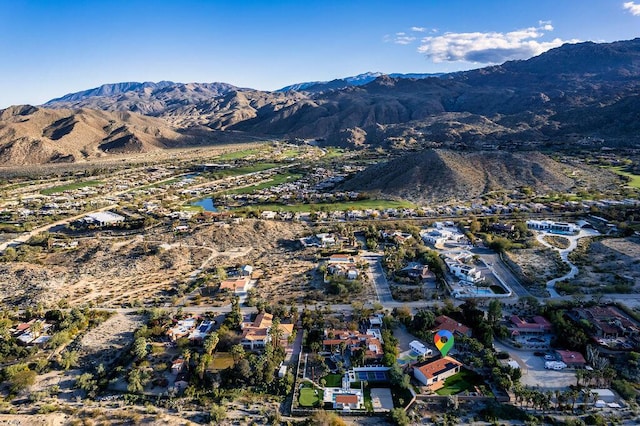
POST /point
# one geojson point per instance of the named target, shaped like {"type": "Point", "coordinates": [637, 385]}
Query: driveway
{"type": "Point", "coordinates": [564, 255]}
{"type": "Point", "coordinates": [499, 269]}
{"type": "Point", "coordinates": [533, 372]}
{"type": "Point", "coordinates": [377, 276]}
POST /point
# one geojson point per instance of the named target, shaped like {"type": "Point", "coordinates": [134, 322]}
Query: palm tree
{"type": "Point", "coordinates": [205, 360]}
{"type": "Point", "coordinates": [573, 396]}
{"type": "Point", "coordinates": [237, 352]}
{"type": "Point", "coordinates": [275, 332]}
{"type": "Point", "coordinates": [36, 328]}
{"type": "Point", "coordinates": [211, 342]}
{"type": "Point", "coordinates": [186, 355]}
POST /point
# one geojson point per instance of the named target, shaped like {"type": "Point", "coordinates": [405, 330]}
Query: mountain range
{"type": "Point", "coordinates": [341, 83]}
{"type": "Point", "coordinates": [575, 95]}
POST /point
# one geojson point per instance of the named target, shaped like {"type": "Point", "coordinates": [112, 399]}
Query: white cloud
{"type": "Point", "coordinates": [403, 38]}
{"type": "Point", "coordinates": [633, 8]}
{"type": "Point", "coordinates": [490, 47]}
{"type": "Point", "coordinates": [418, 29]}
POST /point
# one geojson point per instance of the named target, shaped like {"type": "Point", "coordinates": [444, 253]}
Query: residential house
{"type": "Point", "coordinates": [376, 321]}
{"type": "Point", "coordinates": [202, 331]}
{"type": "Point", "coordinates": [177, 366]}
{"type": "Point", "coordinates": [465, 272]}
{"type": "Point", "coordinates": [327, 240]}
{"type": "Point", "coordinates": [256, 334]}
{"type": "Point", "coordinates": [434, 373]}
{"type": "Point", "coordinates": [348, 401]}
{"type": "Point", "coordinates": [342, 265]}
{"type": "Point", "coordinates": [520, 327]}
{"type": "Point", "coordinates": [608, 321]}
{"type": "Point", "coordinates": [553, 227]}
{"type": "Point", "coordinates": [246, 271]}
{"type": "Point", "coordinates": [236, 285]}
{"type": "Point", "coordinates": [503, 227]}
{"type": "Point", "coordinates": [443, 322]}
{"type": "Point", "coordinates": [105, 218]}
{"type": "Point", "coordinates": [182, 329]}
{"type": "Point", "coordinates": [371, 343]}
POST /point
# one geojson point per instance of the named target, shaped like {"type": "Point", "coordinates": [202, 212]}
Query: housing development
{"type": "Point", "coordinates": [245, 286]}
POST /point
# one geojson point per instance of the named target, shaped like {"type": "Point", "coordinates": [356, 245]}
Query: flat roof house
{"type": "Point", "coordinates": [106, 218]}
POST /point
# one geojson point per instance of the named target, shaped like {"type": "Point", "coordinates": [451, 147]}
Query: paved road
{"type": "Point", "coordinates": [377, 276]}
{"type": "Point", "coordinates": [497, 266]}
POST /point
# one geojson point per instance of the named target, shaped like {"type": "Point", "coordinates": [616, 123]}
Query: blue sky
{"type": "Point", "coordinates": [50, 48]}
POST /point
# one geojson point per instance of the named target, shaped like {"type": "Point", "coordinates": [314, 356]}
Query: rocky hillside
{"type": "Point", "coordinates": [444, 175]}
{"type": "Point", "coordinates": [342, 83]}
{"type": "Point", "coordinates": [31, 135]}
{"type": "Point", "coordinates": [586, 91]}
{"type": "Point", "coordinates": [147, 98]}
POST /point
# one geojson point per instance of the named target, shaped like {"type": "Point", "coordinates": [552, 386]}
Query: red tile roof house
{"type": "Point", "coordinates": [519, 326]}
{"type": "Point", "coordinates": [255, 335]}
{"type": "Point", "coordinates": [443, 322]}
{"type": "Point", "coordinates": [608, 321]}
{"type": "Point", "coordinates": [434, 373]}
{"type": "Point", "coordinates": [571, 358]}
{"type": "Point", "coordinates": [236, 285]}
{"type": "Point", "coordinates": [354, 340]}
{"type": "Point", "coordinates": [347, 401]}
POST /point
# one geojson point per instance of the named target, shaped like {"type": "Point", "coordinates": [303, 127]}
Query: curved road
{"type": "Point", "coordinates": [564, 255]}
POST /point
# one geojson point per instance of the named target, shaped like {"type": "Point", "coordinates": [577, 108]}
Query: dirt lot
{"type": "Point", "coordinates": [536, 266]}
{"type": "Point", "coordinates": [152, 268]}
{"type": "Point", "coordinates": [608, 265]}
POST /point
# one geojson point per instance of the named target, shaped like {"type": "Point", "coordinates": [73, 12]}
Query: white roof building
{"type": "Point", "coordinates": [103, 218]}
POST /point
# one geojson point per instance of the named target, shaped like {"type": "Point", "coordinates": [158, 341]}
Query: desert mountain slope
{"type": "Point", "coordinates": [444, 175]}
{"type": "Point", "coordinates": [145, 98]}
{"type": "Point", "coordinates": [32, 135]}
{"type": "Point", "coordinates": [341, 83]}
{"type": "Point", "coordinates": [558, 97]}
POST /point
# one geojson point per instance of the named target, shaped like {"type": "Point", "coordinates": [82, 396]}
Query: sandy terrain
{"type": "Point", "coordinates": [608, 262]}
{"type": "Point", "coordinates": [53, 419]}
{"type": "Point", "coordinates": [147, 270]}
{"type": "Point", "coordinates": [535, 267]}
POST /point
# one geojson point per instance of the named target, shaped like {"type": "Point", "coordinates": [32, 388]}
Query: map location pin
{"type": "Point", "coordinates": [444, 341]}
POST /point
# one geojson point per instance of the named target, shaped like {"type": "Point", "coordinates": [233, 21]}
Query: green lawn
{"type": "Point", "coordinates": [333, 380]}
{"type": "Point", "coordinates": [274, 181]}
{"type": "Point", "coordinates": [236, 155]}
{"type": "Point", "coordinates": [310, 397]}
{"type": "Point", "coordinates": [464, 380]}
{"type": "Point", "coordinates": [291, 153]}
{"type": "Point", "coordinates": [634, 180]}
{"type": "Point", "coordinates": [221, 361]}
{"type": "Point", "coordinates": [258, 167]}
{"type": "Point", "coordinates": [342, 205]}
{"type": "Point", "coordinates": [334, 153]}
{"type": "Point", "coordinates": [70, 186]}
